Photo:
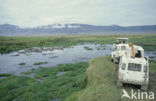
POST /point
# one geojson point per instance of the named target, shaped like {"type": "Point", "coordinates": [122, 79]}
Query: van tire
{"type": "Point", "coordinates": [119, 60]}
{"type": "Point", "coordinates": [144, 87]}
{"type": "Point", "coordinates": [116, 61]}
{"type": "Point", "coordinates": [119, 83]}
{"type": "Point", "coordinates": [112, 60]}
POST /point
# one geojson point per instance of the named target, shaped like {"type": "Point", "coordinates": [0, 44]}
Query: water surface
{"type": "Point", "coordinates": [9, 63]}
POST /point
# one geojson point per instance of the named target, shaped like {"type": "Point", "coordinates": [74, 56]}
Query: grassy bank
{"type": "Point", "coordinates": [44, 84]}
{"type": "Point", "coordinates": [9, 44]}
{"type": "Point", "coordinates": [102, 80]}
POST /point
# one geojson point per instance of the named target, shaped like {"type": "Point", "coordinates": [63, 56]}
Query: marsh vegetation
{"type": "Point", "coordinates": [83, 81]}
{"type": "Point", "coordinates": [69, 82]}
{"type": "Point", "coordinates": [40, 63]}
{"type": "Point", "coordinates": [10, 44]}
{"type": "Point", "coordinates": [22, 63]}
{"type": "Point", "coordinates": [25, 88]}
{"type": "Point", "coordinates": [88, 48]}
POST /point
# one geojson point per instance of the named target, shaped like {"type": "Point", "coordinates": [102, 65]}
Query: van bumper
{"type": "Point", "coordinates": [135, 82]}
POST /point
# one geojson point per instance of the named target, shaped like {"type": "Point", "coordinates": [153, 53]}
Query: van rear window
{"type": "Point", "coordinates": [134, 67]}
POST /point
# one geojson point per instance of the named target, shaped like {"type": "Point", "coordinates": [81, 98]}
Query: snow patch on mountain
{"type": "Point", "coordinates": [73, 26]}
{"type": "Point", "coordinates": [61, 26]}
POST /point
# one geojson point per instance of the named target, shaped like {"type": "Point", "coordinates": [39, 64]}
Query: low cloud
{"type": "Point", "coordinates": [31, 13]}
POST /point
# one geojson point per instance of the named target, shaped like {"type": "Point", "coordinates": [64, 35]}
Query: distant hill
{"type": "Point", "coordinates": [72, 29]}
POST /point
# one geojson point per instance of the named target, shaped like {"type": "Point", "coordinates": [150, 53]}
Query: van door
{"type": "Point", "coordinates": [135, 72]}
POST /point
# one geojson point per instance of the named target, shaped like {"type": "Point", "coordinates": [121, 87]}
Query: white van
{"type": "Point", "coordinates": [134, 71]}
{"type": "Point", "coordinates": [118, 51]}
{"type": "Point", "coordinates": [122, 49]}
{"type": "Point", "coordinates": [120, 41]}
{"type": "Point", "coordinates": [119, 46]}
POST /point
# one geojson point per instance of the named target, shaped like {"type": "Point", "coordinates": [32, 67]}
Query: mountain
{"type": "Point", "coordinates": [72, 29]}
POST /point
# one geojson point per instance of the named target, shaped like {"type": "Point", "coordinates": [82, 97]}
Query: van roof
{"type": "Point", "coordinates": [134, 60]}
{"type": "Point", "coordinates": [138, 47]}
{"type": "Point", "coordinates": [123, 45]}
{"type": "Point", "coordinates": [135, 46]}
{"type": "Point", "coordinates": [122, 38]}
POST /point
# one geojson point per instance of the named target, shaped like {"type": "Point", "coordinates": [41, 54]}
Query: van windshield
{"type": "Point", "coordinates": [134, 67]}
{"type": "Point", "coordinates": [123, 41]}
{"type": "Point", "coordinates": [123, 47]}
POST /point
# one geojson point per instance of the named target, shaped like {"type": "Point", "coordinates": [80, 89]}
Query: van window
{"type": "Point", "coordinates": [123, 47]}
{"type": "Point", "coordinates": [134, 67]}
{"type": "Point", "coordinates": [145, 68]}
{"type": "Point", "coordinates": [123, 66]}
{"type": "Point", "coordinates": [138, 54]}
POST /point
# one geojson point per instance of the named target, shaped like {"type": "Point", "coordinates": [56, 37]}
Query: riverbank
{"type": "Point", "coordinates": [10, 44]}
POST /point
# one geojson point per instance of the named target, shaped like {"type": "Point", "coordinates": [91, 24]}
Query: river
{"type": "Point", "coordinates": [9, 63]}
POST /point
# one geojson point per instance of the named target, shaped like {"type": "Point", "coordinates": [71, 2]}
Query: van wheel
{"type": "Point", "coordinates": [119, 83]}
{"type": "Point", "coordinates": [119, 60]}
{"type": "Point", "coordinates": [144, 87]}
{"type": "Point", "coordinates": [112, 60]}
{"type": "Point", "coordinates": [115, 60]}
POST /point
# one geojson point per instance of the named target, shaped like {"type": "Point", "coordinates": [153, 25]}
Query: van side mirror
{"type": "Point", "coordinates": [147, 59]}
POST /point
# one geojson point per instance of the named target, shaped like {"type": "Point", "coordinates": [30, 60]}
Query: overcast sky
{"type": "Point", "coordinates": [31, 13]}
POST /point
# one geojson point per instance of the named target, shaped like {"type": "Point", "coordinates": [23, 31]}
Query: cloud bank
{"type": "Point", "coordinates": [32, 13]}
